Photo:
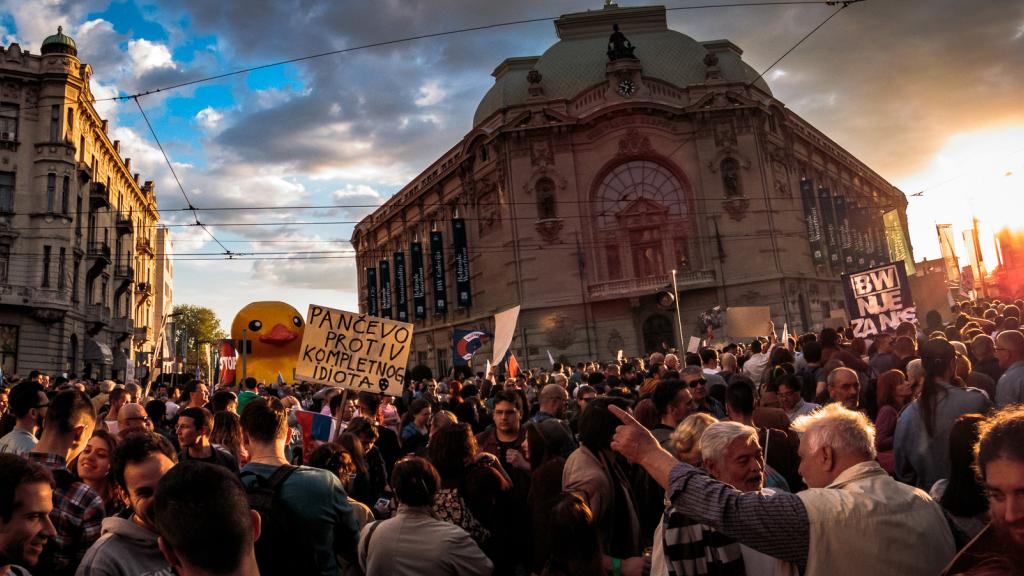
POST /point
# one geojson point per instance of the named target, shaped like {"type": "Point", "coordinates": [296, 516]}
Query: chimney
{"type": "Point", "coordinates": [105, 124]}
{"type": "Point", "coordinates": [128, 164]}
{"type": "Point", "coordinates": [136, 176]}
{"type": "Point", "coordinates": [117, 145]}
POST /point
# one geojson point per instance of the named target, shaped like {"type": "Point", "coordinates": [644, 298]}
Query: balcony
{"type": "Point", "coordinates": [124, 225]}
{"type": "Point", "coordinates": [636, 287]}
{"type": "Point", "coordinates": [122, 326]}
{"type": "Point", "coordinates": [97, 313]}
{"type": "Point", "coordinates": [124, 271]}
{"type": "Point", "coordinates": [99, 250]}
{"type": "Point", "coordinates": [84, 171]}
{"type": "Point", "coordinates": [144, 289]}
{"type": "Point", "coordinates": [143, 334]}
{"type": "Point", "coordinates": [142, 244]}
{"type": "Point", "coordinates": [99, 196]}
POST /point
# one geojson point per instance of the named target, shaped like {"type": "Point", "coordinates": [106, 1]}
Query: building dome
{"type": "Point", "coordinates": [578, 60]}
{"type": "Point", "coordinates": [59, 43]}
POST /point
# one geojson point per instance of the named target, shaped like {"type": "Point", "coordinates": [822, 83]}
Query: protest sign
{"type": "Point", "coordinates": [747, 320]}
{"type": "Point", "coordinates": [354, 351]}
{"type": "Point", "coordinates": [694, 346]}
{"type": "Point", "coordinates": [878, 299]}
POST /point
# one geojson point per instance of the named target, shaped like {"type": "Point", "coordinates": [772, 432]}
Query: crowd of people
{"type": "Point", "coordinates": [820, 454]}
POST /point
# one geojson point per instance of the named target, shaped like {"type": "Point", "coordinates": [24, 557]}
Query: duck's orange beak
{"type": "Point", "coordinates": [279, 335]}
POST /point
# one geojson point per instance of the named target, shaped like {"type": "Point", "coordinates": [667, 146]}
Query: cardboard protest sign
{"type": "Point", "coordinates": [747, 320]}
{"type": "Point", "coordinates": [878, 299]}
{"type": "Point", "coordinates": [694, 345]}
{"type": "Point", "coordinates": [354, 351]}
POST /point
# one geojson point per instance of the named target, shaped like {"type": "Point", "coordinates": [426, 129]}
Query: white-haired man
{"type": "Point", "coordinates": [854, 520]}
{"type": "Point", "coordinates": [731, 455]}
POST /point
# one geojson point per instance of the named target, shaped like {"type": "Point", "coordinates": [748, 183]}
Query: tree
{"type": "Point", "coordinates": [193, 327]}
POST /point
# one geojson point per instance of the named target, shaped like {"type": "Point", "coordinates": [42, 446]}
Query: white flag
{"type": "Point", "coordinates": [487, 370]}
{"type": "Point", "coordinates": [551, 359]}
{"type": "Point", "coordinates": [785, 332]}
{"type": "Point", "coordinates": [504, 330]}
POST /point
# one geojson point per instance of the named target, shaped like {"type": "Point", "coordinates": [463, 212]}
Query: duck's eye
{"type": "Point", "coordinates": [255, 325]}
{"type": "Point", "coordinates": [297, 321]}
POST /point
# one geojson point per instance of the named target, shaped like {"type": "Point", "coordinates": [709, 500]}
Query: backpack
{"type": "Point", "coordinates": [282, 548]}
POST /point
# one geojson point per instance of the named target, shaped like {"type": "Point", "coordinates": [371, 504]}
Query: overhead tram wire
{"type": "Point", "coordinates": [170, 167]}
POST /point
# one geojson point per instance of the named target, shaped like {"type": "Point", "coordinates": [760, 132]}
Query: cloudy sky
{"type": "Point", "coordinates": [926, 92]}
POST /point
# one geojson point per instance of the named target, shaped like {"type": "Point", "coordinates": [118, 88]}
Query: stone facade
{"type": "Point", "coordinates": [164, 304]}
{"type": "Point", "coordinates": [585, 181]}
{"type": "Point", "coordinates": [76, 225]}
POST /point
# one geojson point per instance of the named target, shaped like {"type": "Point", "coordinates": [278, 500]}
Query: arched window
{"type": "Point", "coordinates": [546, 205]}
{"type": "Point", "coordinates": [638, 180]}
{"type": "Point", "coordinates": [731, 178]}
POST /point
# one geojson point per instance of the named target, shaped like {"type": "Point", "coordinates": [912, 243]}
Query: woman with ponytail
{"type": "Point", "coordinates": [921, 445]}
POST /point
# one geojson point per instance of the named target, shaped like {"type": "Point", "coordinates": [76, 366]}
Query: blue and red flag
{"type": "Point", "coordinates": [465, 343]}
{"type": "Point", "coordinates": [316, 429]}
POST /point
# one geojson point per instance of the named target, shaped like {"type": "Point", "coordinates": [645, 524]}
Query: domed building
{"type": "Point", "coordinates": [623, 153]}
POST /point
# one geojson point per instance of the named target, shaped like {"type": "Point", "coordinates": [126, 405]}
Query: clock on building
{"type": "Point", "coordinates": [626, 87]}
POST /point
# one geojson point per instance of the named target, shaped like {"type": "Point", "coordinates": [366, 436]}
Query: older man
{"type": "Point", "coordinates": [1010, 352]}
{"type": "Point", "coordinates": [844, 388]}
{"type": "Point", "coordinates": [133, 418]}
{"type": "Point", "coordinates": [554, 401]}
{"type": "Point", "coordinates": [732, 455]}
{"type": "Point", "coordinates": [854, 520]}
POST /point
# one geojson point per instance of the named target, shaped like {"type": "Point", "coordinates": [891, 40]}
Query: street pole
{"type": "Point", "coordinates": [244, 332]}
{"type": "Point", "coordinates": [679, 317]}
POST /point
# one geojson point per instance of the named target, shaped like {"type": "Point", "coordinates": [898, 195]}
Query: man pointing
{"type": "Point", "coordinates": [853, 520]}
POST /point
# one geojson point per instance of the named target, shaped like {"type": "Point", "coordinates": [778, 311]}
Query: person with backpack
{"type": "Point", "coordinates": [128, 545]}
{"type": "Point", "coordinates": [306, 517]}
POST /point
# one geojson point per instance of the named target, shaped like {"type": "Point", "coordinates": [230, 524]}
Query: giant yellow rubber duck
{"type": "Point", "coordinates": [275, 332]}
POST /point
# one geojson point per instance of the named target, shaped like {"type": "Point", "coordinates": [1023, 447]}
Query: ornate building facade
{"type": "Point", "coordinates": [596, 169]}
{"type": "Point", "coordinates": [77, 227]}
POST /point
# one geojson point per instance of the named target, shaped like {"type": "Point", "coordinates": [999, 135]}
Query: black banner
{"type": "Point", "coordinates": [437, 272]}
{"type": "Point", "coordinates": [857, 231]}
{"type": "Point", "coordinates": [881, 246]}
{"type": "Point", "coordinates": [845, 232]}
{"type": "Point", "coordinates": [419, 283]}
{"type": "Point", "coordinates": [878, 299]}
{"type": "Point", "coordinates": [401, 293]}
{"type": "Point", "coordinates": [385, 289]}
{"type": "Point", "coordinates": [830, 227]}
{"type": "Point", "coordinates": [463, 293]}
{"type": "Point", "coordinates": [813, 217]}
{"type": "Point", "coordinates": [371, 291]}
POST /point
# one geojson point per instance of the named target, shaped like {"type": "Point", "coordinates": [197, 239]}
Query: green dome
{"type": "Point", "coordinates": [577, 61]}
{"type": "Point", "coordinates": [59, 43]}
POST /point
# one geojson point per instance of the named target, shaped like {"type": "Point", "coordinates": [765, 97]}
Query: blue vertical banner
{"type": "Point", "coordinates": [830, 227]}
{"type": "Point", "coordinates": [437, 272]}
{"type": "Point", "coordinates": [385, 289]}
{"type": "Point", "coordinates": [401, 291]}
{"type": "Point", "coordinates": [463, 291]}
{"type": "Point", "coordinates": [371, 291]}
{"type": "Point", "coordinates": [813, 217]}
{"type": "Point", "coordinates": [419, 283]}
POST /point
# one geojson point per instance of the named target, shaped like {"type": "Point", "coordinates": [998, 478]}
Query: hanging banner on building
{"type": "Point", "coordinates": [846, 243]}
{"type": "Point", "coordinates": [385, 289]}
{"type": "Point", "coordinates": [829, 227]}
{"type": "Point", "coordinates": [354, 351]}
{"type": "Point", "coordinates": [463, 293]}
{"type": "Point", "coordinates": [465, 343]}
{"type": "Point", "coordinates": [437, 272]}
{"type": "Point", "coordinates": [948, 250]}
{"type": "Point", "coordinates": [371, 291]}
{"type": "Point", "coordinates": [813, 217]}
{"type": "Point", "coordinates": [976, 259]}
{"type": "Point", "coordinates": [967, 282]}
{"type": "Point", "coordinates": [401, 292]}
{"type": "Point", "coordinates": [419, 283]}
{"type": "Point", "coordinates": [896, 240]}
{"type": "Point", "coordinates": [878, 299]}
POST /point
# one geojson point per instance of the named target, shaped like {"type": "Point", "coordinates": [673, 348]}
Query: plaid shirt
{"type": "Point", "coordinates": [77, 515]}
{"type": "Point", "coordinates": [775, 525]}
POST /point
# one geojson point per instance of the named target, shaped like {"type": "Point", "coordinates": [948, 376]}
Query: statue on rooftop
{"type": "Point", "coordinates": [619, 46]}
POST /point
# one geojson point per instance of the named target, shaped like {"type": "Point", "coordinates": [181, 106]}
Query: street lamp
{"type": "Point", "coordinates": [679, 318]}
